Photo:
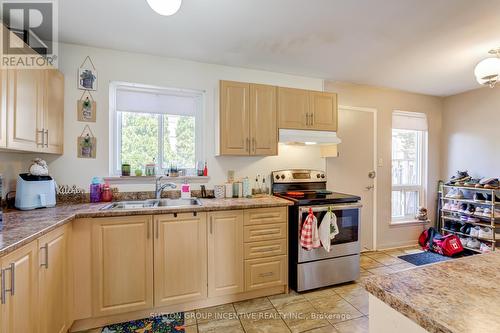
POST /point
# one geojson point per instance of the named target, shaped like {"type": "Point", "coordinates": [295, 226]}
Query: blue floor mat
{"type": "Point", "coordinates": [423, 258]}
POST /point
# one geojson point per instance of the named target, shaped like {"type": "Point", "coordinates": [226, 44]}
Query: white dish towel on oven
{"type": "Point", "coordinates": [328, 229]}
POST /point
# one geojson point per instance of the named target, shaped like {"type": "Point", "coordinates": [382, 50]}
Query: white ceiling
{"type": "Point", "coordinates": [425, 46]}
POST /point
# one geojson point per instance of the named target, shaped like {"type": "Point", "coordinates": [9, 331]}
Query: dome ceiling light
{"type": "Point", "coordinates": [165, 7]}
{"type": "Point", "coordinates": [487, 71]}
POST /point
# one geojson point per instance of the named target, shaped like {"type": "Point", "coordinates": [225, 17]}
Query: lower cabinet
{"type": "Point", "coordinates": [122, 264]}
{"type": "Point", "coordinates": [19, 290]}
{"type": "Point", "coordinates": [225, 253]}
{"type": "Point", "coordinates": [52, 277]}
{"type": "Point", "coordinates": [180, 258]}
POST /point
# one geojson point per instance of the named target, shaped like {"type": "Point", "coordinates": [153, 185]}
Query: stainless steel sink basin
{"type": "Point", "coordinates": [178, 202]}
{"type": "Point", "coordinates": [153, 203]}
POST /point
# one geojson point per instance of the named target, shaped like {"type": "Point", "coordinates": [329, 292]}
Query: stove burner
{"type": "Point", "coordinates": [295, 194]}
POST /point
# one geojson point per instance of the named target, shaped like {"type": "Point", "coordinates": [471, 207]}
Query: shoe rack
{"type": "Point", "coordinates": [485, 221]}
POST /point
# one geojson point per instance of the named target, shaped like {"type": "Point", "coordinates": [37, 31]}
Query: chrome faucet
{"type": "Point", "coordinates": [159, 188]}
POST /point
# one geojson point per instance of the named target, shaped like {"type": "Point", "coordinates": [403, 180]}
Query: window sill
{"type": "Point", "coordinates": [408, 223]}
{"type": "Point", "coordinates": [152, 179]}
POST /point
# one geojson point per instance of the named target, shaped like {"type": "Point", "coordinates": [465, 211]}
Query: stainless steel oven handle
{"type": "Point", "coordinates": [333, 207]}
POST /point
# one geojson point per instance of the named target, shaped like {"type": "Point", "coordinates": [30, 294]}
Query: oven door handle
{"type": "Point", "coordinates": [332, 207]}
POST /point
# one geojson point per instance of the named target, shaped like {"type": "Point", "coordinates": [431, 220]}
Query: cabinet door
{"type": "Point", "coordinates": [54, 111]}
{"type": "Point", "coordinates": [293, 108]}
{"type": "Point", "coordinates": [180, 258]}
{"type": "Point", "coordinates": [20, 311]}
{"type": "Point", "coordinates": [234, 118]}
{"type": "Point", "coordinates": [225, 253]}
{"type": "Point", "coordinates": [122, 264]}
{"type": "Point", "coordinates": [3, 109]}
{"type": "Point", "coordinates": [24, 109]}
{"type": "Point", "coordinates": [263, 120]}
{"type": "Point", "coordinates": [52, 282]}
{"type": "Point", "coordinates": [324, 111]}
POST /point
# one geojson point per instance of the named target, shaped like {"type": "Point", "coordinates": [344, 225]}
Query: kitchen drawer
{"type": "Point", "coordinates": [270, 248]}
{"type": "Point", "coordinates": [265, 215]}
{"type": "Point", "coordinates": [265, 272]}
{"type": "Point", "coordinates": [254, 233]}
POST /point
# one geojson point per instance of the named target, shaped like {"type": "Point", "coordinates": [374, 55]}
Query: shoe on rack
{"type": "Point", "coordinates": [486, 232]}
{"type": "Point", "coordinates": [463, 208]}
{"type": "Point", "coordinates": [473, 243]}
{"type": "Point", "coordinates": [472, 182]}
{"type": "Point", "coordinates": [465, 229]}
{"type": "Point", "coordinates": [484, 247]}
{"type": "Point", "coordinates": [455, 194]}
{"type": "Point", "coordinates": [479, 210]}
{"type": "Point", "coordinates": [471, 209]}
{"type": "Point", "coordinates": [487, 212]}
{"type": "Point", "coordinates": [497, 212]}
{"type": "Point", "coordinates": [490, 183]}
{"type": "Point", "coordinates": [464, 240]}
{"type": "Point", "coordinates": [447, 225]}
{"type": "Point", "coordinates": [455, 206]}
{"type": "Point", "coordinates": [460, 176]}
{"type": "Point", "coordinates": [447, 206]}
{"type": "Point", "coordinates": [472, 219]}
{"type": "Point", "coordinates": [464, 218]}
{"type": "Point", "coordinates": [479, 197]}
{"type": "Point", "coordinates": [474, 232]}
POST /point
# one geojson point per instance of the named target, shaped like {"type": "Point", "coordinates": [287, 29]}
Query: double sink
{"type": "Point", "coordinates": [152, 203]}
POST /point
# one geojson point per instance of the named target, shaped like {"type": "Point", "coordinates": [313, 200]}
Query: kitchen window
{"type": "Point", "coordinates": [409, 164]}
{"type": "Point", "coordinates": [157, 125]}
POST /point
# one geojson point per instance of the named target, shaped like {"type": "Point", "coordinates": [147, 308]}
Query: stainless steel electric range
{"type": "Point", "coordinates": [318, 268]}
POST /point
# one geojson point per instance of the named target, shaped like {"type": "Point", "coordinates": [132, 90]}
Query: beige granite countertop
{"type": "Point", "coordinates": [461, 295]}
{"type": "Point", "coordinates": [21, 227]}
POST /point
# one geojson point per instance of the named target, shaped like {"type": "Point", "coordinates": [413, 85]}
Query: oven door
{"type": "Point", "coordinates": [346, 242]}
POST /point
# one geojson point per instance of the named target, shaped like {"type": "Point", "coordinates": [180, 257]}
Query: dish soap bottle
{"type": "Point", "coordinates": [185, 190]}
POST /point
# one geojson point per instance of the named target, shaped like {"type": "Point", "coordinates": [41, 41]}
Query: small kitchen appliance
{"type": "Point", "coordinates": [315, 268]}
{"type": "Point", "coordinates": [35, 192]}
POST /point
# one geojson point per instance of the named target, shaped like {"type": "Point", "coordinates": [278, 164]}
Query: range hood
{"type": "Point", "coordinates": [307, 137]}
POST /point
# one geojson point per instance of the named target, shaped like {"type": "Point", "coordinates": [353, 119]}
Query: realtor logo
{"type": "Point", "coordinates": [29, 38]}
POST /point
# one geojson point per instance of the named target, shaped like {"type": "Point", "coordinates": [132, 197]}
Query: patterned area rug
{"type": "Point", "coordinates": [170, 323]}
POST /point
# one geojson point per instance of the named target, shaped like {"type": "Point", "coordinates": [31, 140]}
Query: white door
{"type": "Point", "coordinates": [350, 171]}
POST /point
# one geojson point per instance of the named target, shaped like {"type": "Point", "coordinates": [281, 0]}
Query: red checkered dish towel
{"type": "Point", "coordinates": [309, 238]}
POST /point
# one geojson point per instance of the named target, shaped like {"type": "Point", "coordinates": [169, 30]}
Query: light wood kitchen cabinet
{"type": "Point", "coordinates": [265, 272]}
{"type": "Point", "coordinates": [122, 264]}
{"type": "Point", "coordinates": [3, 108]}
{"type": "Point", "coordinates": [307, 110]}
{"type": "Point", "coordinates": [180, 258]}
{"type": "Point", "coordinates": [19, 308]}
{"type": "Point", "coordinates": [263, 120]}
{"type": "Point", "coordinates": [53, 117]}
{"type": "Point", "coordinates": [25, 109]}
{"type": "Point", "coordinates": [225, 253]}
{"type": "Point", "coordinates": [248, 123]}
{"type": "Point", "coordinates": [293, 108]}
{"type": "Point", "coordinates": [53, 278]}
{"type": "Point", "coordinates": [234, 118]}
{"type": "Point", "coordinates": [323, 111]}
{"type": "Point", "coordinates": [35, 110]}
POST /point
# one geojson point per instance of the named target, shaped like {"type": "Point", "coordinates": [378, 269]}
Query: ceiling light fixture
{"type": "Point", "coordinates": [487, 71]}
{"type": "Point", "coordinates": [165, 7]}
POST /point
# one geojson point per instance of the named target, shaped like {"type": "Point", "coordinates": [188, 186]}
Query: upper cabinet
{"type": "Point", "coordinates": [248, 119]}
{"type": "Point", "coordinates": [251, 114]}
{"type": "Point", "coordinates": [307, 110]}
{"type": "Point", "coordinates": [35, 110]}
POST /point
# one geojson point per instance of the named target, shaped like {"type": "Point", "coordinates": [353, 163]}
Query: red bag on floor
{"type": "Point", "coordinates": [447, 245]}
{"type": "Point", "coordinates": [432, 240]}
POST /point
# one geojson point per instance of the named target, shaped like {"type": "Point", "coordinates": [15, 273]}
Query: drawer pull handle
{"type": "Point", "coordinates": [266, 232]}
{"type": "Point", "coordinates": [267, 216]}
{"type": "Point", "coordinates": [267, 249]}
{"type": "Point", "coordinates": [266, 274]}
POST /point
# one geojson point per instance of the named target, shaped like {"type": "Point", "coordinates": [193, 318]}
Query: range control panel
{"type": "Point", "coordinates": [298, 176]}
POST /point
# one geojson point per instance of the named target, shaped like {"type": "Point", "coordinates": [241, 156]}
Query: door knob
{"type": "Point", "coordinates": [369, 187]}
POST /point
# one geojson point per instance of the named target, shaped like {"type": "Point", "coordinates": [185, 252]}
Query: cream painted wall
{"type": "Point", "coordinates": [471, 134]}
{"type": "Point", "coordinates": [385, 101]}
{"type": "Point", "coordinates": [160, 71]}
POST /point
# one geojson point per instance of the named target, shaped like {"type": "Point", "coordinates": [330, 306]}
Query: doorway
{"type": "Point", "coordinates": [354, 170]}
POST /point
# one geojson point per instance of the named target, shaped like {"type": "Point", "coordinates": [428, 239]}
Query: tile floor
{"type": "Point", "coordinates": [339, 309]}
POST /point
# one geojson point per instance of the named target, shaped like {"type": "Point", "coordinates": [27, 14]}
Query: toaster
{"type": "Point", "coordinates": [35, 192]}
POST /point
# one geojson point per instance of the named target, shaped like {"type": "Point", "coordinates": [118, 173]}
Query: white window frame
{"type": "Point", "coordinates": [115, 121]}
{"type": "Point", "coordinates": [422, 175]}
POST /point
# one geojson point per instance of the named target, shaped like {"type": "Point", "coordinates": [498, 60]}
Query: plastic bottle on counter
{"type": "Point", "coordinates": [106, 193]}
{"type": "Point", "coordinates": [95, 189]}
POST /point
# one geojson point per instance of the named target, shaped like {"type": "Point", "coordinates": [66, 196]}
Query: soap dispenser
{"type": "Point", "coordinates": [185, 190]}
